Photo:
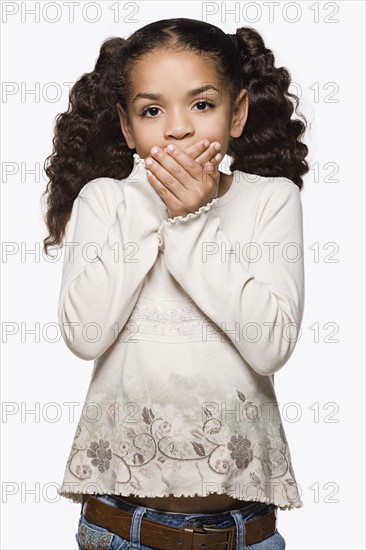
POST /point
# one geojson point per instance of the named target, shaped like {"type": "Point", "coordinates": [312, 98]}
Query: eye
{"type": "Point", "coordinates": [202, 102]}
{"type": "Point", "coordinates": [145, 111]}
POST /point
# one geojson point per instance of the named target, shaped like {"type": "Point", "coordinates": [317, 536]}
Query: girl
{"type": "Point", "coordinates": [183, 283]}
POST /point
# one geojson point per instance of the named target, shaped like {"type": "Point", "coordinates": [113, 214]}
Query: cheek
{"type": "Point", "coordinates": [148, 137]}
{"type": "Point", "coordinates": [215, 127]}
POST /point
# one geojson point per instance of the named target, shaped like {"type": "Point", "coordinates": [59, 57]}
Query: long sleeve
{"type": "Point", "coordinates": [111, 244]}
{"type": "Point", "coordinates": [258, 303]}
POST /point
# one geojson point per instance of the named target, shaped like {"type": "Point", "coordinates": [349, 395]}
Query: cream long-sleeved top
{"type": "Point", "coordinates": [186, 319]}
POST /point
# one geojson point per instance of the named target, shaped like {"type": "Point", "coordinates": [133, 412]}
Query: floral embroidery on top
{"type": "Point", "coordinates": [240, 450]}
{"type": "Point", "coordinates": [135, 449]}
{"type": "Point", "coordinates": [101, 454]}
{"type": "Point", "coordinates": [83, 471]}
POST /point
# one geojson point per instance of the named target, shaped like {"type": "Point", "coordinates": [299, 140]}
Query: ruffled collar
{"type": "Point", "coordinates": [138, 160]}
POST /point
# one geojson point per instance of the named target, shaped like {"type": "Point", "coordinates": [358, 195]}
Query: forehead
{"type": "Point", "coordinates": [162, 69]}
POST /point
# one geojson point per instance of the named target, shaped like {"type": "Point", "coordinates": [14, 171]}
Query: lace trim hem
{"type": "Point", "coordinates": [183, 219]}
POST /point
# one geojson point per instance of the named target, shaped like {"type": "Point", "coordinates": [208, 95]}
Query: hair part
{"type": "Point", "coordinates": [88, 142]}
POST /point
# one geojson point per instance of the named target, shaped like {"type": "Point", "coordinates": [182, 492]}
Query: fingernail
{"type": "Point", "coordinates": [170, 148]}
{"type": "Point", "coordinates": [206, 143]}
{"type": "Point", "coordinates": [217, 146]}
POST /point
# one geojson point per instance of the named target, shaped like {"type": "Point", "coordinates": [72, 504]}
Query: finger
{"type": "Point", "coordinates": [206, 157]}
{"type": "Point", "coordinates": [175, 168]}
{"type": "Point", "coordinates": [161, 175]}
{"type": "Point", "coordinates": [216, 159]}
{"type": "Point", "coordinates": [213, 173]}
{"type": "Point", "coordinates": [197, 149]}
{"type": "Point", "coordinates": [202, 153]}
{"type": "Point", "coordinates": [211, 154]}
{"type": "Point", "coordinates": [173, 203]}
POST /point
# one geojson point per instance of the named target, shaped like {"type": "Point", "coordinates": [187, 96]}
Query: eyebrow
{"type": "Point", "coordinates": [191, 93]}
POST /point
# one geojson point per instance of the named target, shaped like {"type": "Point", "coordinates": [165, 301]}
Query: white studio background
{"type": "Point", "coordinates": [46, 47]}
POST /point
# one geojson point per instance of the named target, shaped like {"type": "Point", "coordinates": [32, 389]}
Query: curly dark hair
{"type": "Point", "coordinates": [88, 142]}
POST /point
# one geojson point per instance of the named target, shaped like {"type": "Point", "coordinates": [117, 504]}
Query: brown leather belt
{"type": "Point", "coordinates": [166, 537]}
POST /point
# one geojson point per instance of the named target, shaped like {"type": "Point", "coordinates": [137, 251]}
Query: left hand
{"type": "Point", "coordinates": [182, 183]}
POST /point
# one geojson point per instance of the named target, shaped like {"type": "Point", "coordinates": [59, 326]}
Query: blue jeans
{"type": "Point", "coordinates": [91, 536]}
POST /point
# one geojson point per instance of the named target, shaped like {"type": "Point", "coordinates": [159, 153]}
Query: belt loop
{"type": "Point", "coordinates": [83, 500]}
{"type": "Point", "coordinates": [240, 530]}
{"type": "Point", "coordinates": [135, 530]}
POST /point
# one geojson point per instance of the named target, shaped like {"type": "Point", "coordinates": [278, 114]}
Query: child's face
{"type": "Point", "coordinates": [178, 116]}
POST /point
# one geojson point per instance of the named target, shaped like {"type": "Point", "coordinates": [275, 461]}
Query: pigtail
{"type": "Point", "coordinates": [88, 142]}
{"type": "Point", "coordinates": [270, 143]}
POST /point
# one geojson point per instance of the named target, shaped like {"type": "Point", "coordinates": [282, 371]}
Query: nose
{"type": "Point", "coordinates": [178, 126]}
